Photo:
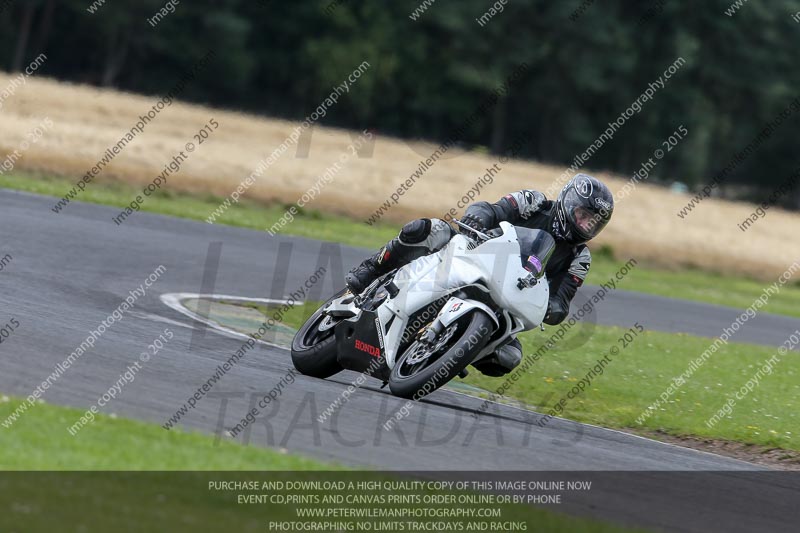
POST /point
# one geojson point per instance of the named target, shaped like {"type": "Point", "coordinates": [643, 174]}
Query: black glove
{"type": "Point", "coordinates": [555, 313]}
{"type": "Point", "coordinates": [473, 222]}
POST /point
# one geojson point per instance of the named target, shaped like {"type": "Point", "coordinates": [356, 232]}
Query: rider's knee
{"type": "Point", "coordinates": [441, 233]}
{"type": "Point", "coordinates": [431, 233]}
{"type": "Point", "coordinates": [416, 231]}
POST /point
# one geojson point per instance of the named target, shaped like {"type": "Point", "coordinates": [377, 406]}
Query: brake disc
{"type": "Point", "coordinates": [424, 350]}
{"type": "Point", "coordinates": [327, 323]}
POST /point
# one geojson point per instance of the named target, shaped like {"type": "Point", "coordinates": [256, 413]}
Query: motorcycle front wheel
{"type": "Point", "coordinates": [424, 367]}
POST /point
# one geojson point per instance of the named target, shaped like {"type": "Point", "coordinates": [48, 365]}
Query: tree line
{"type": "Point", "coordinates": [586, 64]}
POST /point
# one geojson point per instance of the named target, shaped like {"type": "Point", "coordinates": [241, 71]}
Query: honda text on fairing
{"type": "Point", "coordinates": [419, 326]}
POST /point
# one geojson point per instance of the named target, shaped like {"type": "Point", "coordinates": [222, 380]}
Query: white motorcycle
{"type": "Point", "coordinates": [421, 325]}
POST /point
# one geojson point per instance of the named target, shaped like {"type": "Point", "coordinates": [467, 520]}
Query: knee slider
{"type": "Point", "coordinates": [440, 234]}
{"type": "Point", "coordinates": [416, 231]}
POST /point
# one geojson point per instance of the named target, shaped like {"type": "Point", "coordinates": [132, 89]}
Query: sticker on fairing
{"type": "Point", "coordinates": [380, 331]}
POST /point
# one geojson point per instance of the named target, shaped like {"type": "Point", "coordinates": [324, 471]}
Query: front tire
{"type": "Point", "coordinates": [314, 345]}
{"type": "Point", "coordinates": [414, 380]}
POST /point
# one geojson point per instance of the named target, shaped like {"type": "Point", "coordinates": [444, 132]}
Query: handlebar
{"type": "Point", "coordinates": [483, 236]}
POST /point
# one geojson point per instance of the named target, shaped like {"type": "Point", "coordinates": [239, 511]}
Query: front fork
{"type": "Point", "coordinates": [454, 309]}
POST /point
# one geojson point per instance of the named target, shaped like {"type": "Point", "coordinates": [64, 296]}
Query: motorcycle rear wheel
{"type": "Point", "coordinates": [314, 345]}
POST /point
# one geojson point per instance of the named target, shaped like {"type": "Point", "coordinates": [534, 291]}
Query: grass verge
{"type": "Point", "coordinates": [693, 285]}
{"type": "Point", "coordinates": [632, 380]}
{"type": "Point", "coordinates": [39, 440]}
{"type": "Point", "coordinates": [162, 499]}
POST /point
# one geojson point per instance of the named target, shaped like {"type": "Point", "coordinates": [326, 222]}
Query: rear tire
{"type": "Point", "coordinates": [314, 351]}
{"type": "Point", "coordinates": [414, 381]}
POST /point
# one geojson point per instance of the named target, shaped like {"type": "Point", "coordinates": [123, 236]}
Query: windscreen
{"type": "Point", "coordinates": [536, 247]}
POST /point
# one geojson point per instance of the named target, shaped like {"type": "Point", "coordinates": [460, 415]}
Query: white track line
{"type": "Point", "coordinates": [173, 300]}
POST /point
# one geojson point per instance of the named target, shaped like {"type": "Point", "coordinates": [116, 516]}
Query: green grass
{"type": "Point", "coordinates": [151, 494]}
{"type": "Point", "coordinates": [39, 440]}
{"type": "Point", "coordinates": [688, 284]}
{"type": "Point", "coordinates": [634, 379]}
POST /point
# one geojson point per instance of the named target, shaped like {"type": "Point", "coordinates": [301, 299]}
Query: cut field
{"type": "Point", "coordinates": [87, 121]}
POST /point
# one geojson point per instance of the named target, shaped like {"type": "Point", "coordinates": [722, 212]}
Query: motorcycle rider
{"type": "Point", "coordinates": [581, 210]}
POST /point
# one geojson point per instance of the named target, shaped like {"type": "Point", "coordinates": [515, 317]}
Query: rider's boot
{"type": "Point", "coordinates": [394, 255]}
{"type": "Point", "coordinates": [417, 238]}
{"type": "Point", "coordinates": [504, 359]}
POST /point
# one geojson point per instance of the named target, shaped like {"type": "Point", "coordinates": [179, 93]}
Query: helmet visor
{"type": "Point", "coordinates": [585, 222]}
{"type": "Point", "coordinates": [584, 205]}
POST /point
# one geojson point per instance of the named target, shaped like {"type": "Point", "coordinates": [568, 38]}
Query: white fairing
{"type": "Point", "coordinates": [496, 263]}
